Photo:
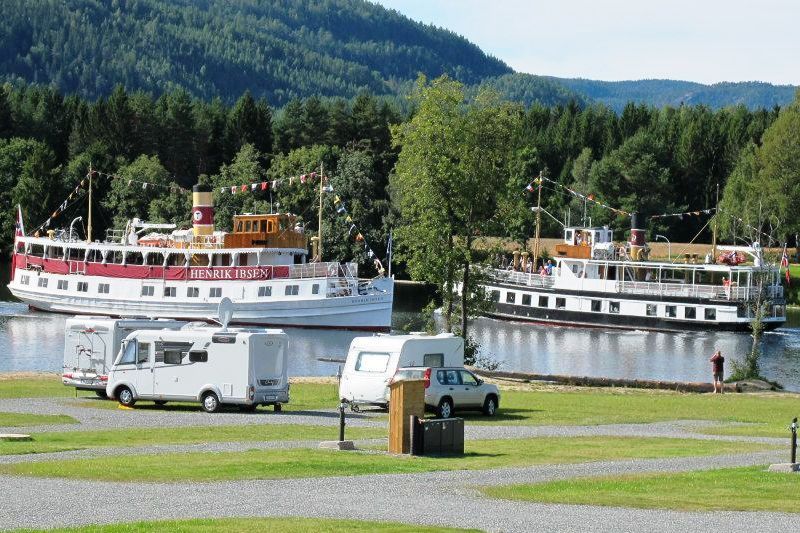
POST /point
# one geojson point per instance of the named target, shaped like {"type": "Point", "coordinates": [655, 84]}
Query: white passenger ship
{"type": "Point", "coordinates": [261, 266]}
{"type": "Point", "coordinates": [593, 282]}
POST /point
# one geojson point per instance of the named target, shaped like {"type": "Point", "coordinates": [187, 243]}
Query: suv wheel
{"type": "Point", "coordinates": [490, 405]}
{"type": "Point", "coordinates": [445, 409]}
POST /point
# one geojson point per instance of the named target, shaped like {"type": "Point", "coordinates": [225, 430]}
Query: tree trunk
{"type": "Point", "coordinates": [464, 298]}
{"type": "Point", "coordinates": [448, 287]}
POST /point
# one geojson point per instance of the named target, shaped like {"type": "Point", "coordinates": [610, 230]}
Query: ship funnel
{"type": "Point", "coordinates": [637, 240]}
{"type": "Point", "coordinates": [202, 210]}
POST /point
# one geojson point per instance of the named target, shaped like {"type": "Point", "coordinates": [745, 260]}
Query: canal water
{"type": "Point", "coordinates": [32, 341]}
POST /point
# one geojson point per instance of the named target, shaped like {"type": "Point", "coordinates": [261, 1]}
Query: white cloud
{"type": "Point", "coordinates": [706, 41]}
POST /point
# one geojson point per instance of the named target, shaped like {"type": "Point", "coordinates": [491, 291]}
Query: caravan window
{"type": "Point", "coordinates": [433, 359]}
{"type": "Point", "coordinates": [372, 362]}
{"type": "Point", "coordinates": [129, 357]}
{"type": "Point", "coordinates": [143, 354]}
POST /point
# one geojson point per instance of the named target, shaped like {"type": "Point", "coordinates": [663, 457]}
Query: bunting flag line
{"type": "Point", "coordinates": [359, 238]}
{"type": "Point", "coordinates": [686, 214]}
{"type": "Point", "coordinates": [266, 185]}
{"type": "Point", "coordinates": [173, 187]}
{"type": "Point", "coordinates": [585, 197]}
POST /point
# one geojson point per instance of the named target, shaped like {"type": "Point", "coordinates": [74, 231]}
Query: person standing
{"type": "Point", "coordinates": [718, 367]}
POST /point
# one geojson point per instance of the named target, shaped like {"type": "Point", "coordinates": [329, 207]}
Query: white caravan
{"type": "Point", "coordinates": [372, 362]}
{"type": "Point", "coordinates": [91, 343]}
{"type": "Point", "coordinates": [210, 365]}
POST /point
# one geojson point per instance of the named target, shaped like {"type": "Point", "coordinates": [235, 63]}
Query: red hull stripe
{"type": "Point", "coordinates": [174, 273]}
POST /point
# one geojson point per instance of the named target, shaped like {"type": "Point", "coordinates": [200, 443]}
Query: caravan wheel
{"type": "Point", "coordinates": [210, 402]}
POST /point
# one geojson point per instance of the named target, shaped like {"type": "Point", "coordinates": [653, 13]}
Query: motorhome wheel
{"type": "Point", "coordinates": [210, 402]}
{"type": "Point", "coordinates": [125, 396]}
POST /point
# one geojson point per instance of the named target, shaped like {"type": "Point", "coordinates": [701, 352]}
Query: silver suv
{"type": "Point", "coordinates": [451, 388]}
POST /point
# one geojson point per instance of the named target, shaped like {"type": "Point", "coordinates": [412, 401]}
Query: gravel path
{"type": "Point", "coordinates": [437, 498]}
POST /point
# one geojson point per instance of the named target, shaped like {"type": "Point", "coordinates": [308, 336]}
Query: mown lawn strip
{"type": "Point", "coordinates": [726, 489]}
{"type": "Point", "coordinates": [303, 463]}
{"type": "Point", "coordinates": [17, 420]}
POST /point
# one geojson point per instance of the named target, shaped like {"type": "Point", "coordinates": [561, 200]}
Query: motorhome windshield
{"type": "Point", "coordinates": [129, 353]}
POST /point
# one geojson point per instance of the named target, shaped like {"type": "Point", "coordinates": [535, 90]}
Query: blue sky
{"type": "Point", "coordinates": [698, 40]}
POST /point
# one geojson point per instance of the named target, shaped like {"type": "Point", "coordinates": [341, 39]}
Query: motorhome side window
{"type": "Point", "coordinates": [173, 356]}
{"type": "Point", "coordinates": [372, 362]}
{"type": "Point", "coordinates": [433, 359]}
{"type": "Point", "coordinates": [198, 356]}
{"type": "Point", "coordinates": [143, 353]}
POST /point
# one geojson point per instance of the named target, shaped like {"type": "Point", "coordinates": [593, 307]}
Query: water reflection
{"type": "Point", "coordinates": [35, 341]}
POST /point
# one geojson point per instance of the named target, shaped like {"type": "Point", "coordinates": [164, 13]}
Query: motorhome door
{"type": "Point", "coordinates": [144, 367]}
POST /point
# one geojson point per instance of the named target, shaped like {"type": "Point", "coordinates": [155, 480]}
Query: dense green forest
{"type": "Point", "coordinates": [285, 49]}
{"type": "Point", "coordinates": [645, 159]}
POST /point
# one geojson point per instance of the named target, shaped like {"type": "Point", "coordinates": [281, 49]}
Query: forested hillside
{"type": "Point", "coordinates": [659, 93]}
{"type": "Point", "coordinates": [218, 48]}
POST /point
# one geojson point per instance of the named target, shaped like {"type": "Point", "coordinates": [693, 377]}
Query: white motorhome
{"type": "Point", "coordinates": [91, 343]}
{"type": "Point", "coordinates": [210, 365]}
{"type": "Point", "coordinates": [372, 362]}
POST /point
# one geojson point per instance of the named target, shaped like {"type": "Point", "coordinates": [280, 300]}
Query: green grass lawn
{"type": "Point", "coordinates": [248, 525]}
{"type": "Point", "coordinates": [731, 489]}
{"type": "Point", "coordinates": [45, 386]}
{"type": "Point", "coordinates": [76, 440]}
{"type": "Point", "coordinates": [23, 419]}
{"type": "Point", "coordinates": [299, 463]}
{"type": "Point", "coordinates": [600, 406]}
{"type": "Point", "coordinates": [303, 397]}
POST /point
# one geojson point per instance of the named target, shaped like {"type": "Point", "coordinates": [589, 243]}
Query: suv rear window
{"type": "Point", "coordinates": [372, 362]}
{"type": "Point", "coordinates": [447, 377]}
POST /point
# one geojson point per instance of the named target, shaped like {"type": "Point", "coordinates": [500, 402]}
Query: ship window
{"type": "Point", "coordinates": [63, 284]}
{"type": "Point", "coordinates": [561, 303]}
{"type": "Point", "coordinates": [652, 310]}
{"type": "Point", "coordinates": [83, 286]}
{"type": "Point", "coordinates": [170, 292]}
{"type": "Point", "coordinates": [103, 288]}
{"type": "Point", "coordinates": [292, 290]}
{"type": "Point", "coordinates": [597, 306]}
{"type": "Point", "coordinates": [25, 280]}
{"type": "Point", "coordinates": [689, 312]}
{"type": "Point", "coordinates": [43, 282]}
{"type": "Point", "coordinates": [239, 227]}
{"type": "Point", "coordinates": [742, 311]}
{"type": "Point", "coordinates": [613, 307]}
{"type": "Point", "coordinates": [264, 291]}
{"type": "Point", "coordinates": [193, 292]}
{"type": "Point", "coordinates": [315, 288]}
{"type": "Point", "coordinates": [711, 313]}
{"type": "Point", "coordinates": [510, 297]}
{"type": "Point", "coordinates": [148, 290]}
{"type": "Point", "coordinates": [270, 227]}
{"type": "Point", "coordinates": [544, 301]}
{"type": "Point", "coordinates": [495, 296]}
{"type": "Point", "coordinates": [215, 292]}
{"type": "Point", "coordinates": [198, 356]}
{"type": "Point", "coordinates": [671, 311]}
{"type": "Point", "coordinates": [526, 299]}
{"type": "Point", "coordinates": [247, 227]}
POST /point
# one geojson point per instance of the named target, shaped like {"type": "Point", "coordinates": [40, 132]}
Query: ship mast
{"type": "Point", "coordinates": [89, 227]}
{"type": "Point", "coordinates": [538, 222]}
{"type": "Point", "coordinates": [319, 222]}
{"type": "Point", "coordinates": [714, 233]}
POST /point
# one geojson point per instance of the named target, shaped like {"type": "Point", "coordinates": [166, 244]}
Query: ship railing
{"type": "Point", "coordinates": [712, 292]}
{"type": "Point", "coordinates": [520, 278]}
{"type": "Point", "coordinates": [115, 236]}
{"type": "Point", "coordinates": [322, 270]}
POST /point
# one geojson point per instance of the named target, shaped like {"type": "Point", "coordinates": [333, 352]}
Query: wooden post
{"type": "Point", "coordinates": [406, 398]}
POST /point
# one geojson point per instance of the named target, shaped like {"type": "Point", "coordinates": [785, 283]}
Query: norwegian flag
{"type": "Point", "coordinates": [529, 188]}
{"type": "Point", "coordinates": [19, 227]}
{"type": "Point", "coordinates": [785, 264]}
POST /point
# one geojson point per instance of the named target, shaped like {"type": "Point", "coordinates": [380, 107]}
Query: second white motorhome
{"type": "Point", "coordinates": [372, 362]}
{"type": "Point", "coordinates": [210, 365]}
{"type": "Point", "coordinates": [92, 342]}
